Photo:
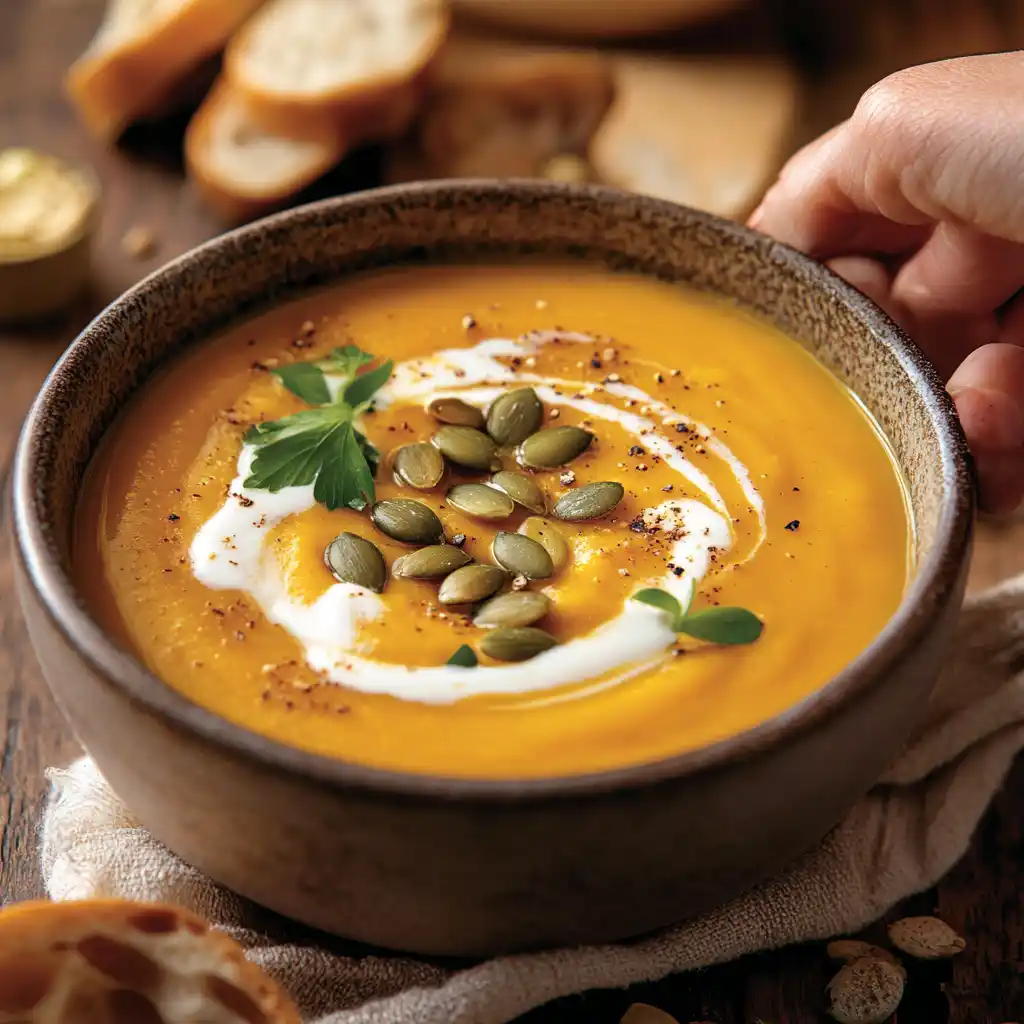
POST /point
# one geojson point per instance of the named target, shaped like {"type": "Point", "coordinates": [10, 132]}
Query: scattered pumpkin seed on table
{"type": "Point", "coordinates": [591, 501]}
{"type": "Point", "coordinates": [457, 412]}
{"type": "Point", "coordinates": [471, 583]}
{"type": "Point", "coordinates": [466, 446]}
{"type": "Point", "coordinates": [554, 447]}
{"type": "Point", "coordinates": [517, 644]}
{"type": "Point", "coordinates": [431, 562]}
{"type": "Point", "coordinates": [515, 609]}
{"type": "Point", "coordinates": [480, 501]}
{"type": "Point", "coordinates": [846, 951]}
{"type": "Point", "coordinates": [547, 535]}
{"type": "Point", "coordinates": [926, 938]}
{"type": "Point", "coordinates": [354, 559]}
{"type": "Point", "coordinates": [514, 416]}
{"type": "Point", "coordinates": [867, 991]}
{"type": "Point", "coordinates": [407, 520]}
{"type": "Point", "coordinates": [522, 556]}
{"type": "Point", "coordinates": [419, 466]}
{"type": "Point", "coordinates": [523, 490]}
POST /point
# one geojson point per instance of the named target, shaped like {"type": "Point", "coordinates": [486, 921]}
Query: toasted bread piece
{"type": "Point", "coordinates": [310, 66]}
{"type": "Point", "coordinates": [708, 132]}
{"type": "Point", "coordinates": [122, 962]}
{"type": "Point", "coordinates": [501, 108]}
{"type": "Point", "coordinates": [144, 50]}
{"type": "Point", "coordinates": [244, 171]}
{"type": "Point", "coordinates": [592, 19]}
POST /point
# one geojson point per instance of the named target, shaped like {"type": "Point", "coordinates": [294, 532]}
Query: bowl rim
{"type": "Point", "coordinates": [936, 574]}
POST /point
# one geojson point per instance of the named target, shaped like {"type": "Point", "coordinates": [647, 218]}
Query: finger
{"type": "Point", "coordinates": [988, 389]}
{"type": "Point", "coordinates": [872, 278]}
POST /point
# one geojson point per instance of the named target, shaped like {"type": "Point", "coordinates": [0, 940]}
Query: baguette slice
{"type": "Point", "coordinates": [123, 962]}
{"type": "Point", "coordinates": [310, 66]}
{"type": "Point", "coordinates": [143, 52]}
{"type": "Point", "coordinates": [708, 132]}
{"type": "Point", "coordinates": [242, 170]}
{"type": "Point", "coordinates": [500, 108]}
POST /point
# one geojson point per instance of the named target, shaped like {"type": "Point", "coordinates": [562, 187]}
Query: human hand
{"type": "Point", "coordinates": [918, 201]}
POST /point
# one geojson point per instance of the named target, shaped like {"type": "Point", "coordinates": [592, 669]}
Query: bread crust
{"type": "Point", "coordinates": [108, 956]}
{"type": "Point", "coordinates": [139, 77]}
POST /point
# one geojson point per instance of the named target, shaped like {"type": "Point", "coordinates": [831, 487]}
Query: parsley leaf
{"type": "Point", "coordinates": [464, 657]}
{"type": "Point", "coordinates": [715, 625]}
{"type": "Point", "coordinates": [305, 380]}
{"type": "Point", "coordinates": [321, 446]}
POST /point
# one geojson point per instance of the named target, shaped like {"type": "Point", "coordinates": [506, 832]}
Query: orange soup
{"type": "Point", "coordinates": [496, 522]}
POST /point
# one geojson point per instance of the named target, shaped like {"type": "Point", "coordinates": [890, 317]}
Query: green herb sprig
{"type": "Point", "coordinates": [321, 446]}
{"type": "Point", "coordinates": [464, 657]}
{"type": "Point", "coordinates": [713, 625]}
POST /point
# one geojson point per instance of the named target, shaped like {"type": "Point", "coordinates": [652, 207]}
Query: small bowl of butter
{"type": "Point", "coordinates": [48, 213]}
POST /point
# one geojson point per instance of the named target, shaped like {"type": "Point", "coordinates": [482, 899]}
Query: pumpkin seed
{"type": "Point", "coordinates": [517, 644]}
{"type": "Point", "coordinates": [471, 583]}
{"type": "Point", "coordinates": [467, 447]}
{"type": "Point", "coordinates": [513, 609]}
{"type": "Point", "coordinates": [548, 537]}
{"type": "Point", "coordinates": [554, 446]}
{"type": "Point", "coordinates": [356, 560]}
{"type": "Point", "coordinates": [456, 411]}
{"type": "Point", "coordinates": [407, 520]}
{"type": "Point", "coordinates": [480, 501]}
{"type": "Point", "coordinates": [419, 465]}
{"type": "Point", "coordinates": [430, 563]}
{"type": "Point", "coordinates": [522, 556]}
{"type": "Point", "coordinates": [514, 416]}
{"type": "Point", "coordinates": [591, 501]}
{"type": "Point", "coordinates": [522, 489]}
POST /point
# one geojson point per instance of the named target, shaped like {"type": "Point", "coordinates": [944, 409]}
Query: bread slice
{"type": "Point", "coordinates": [310, 66]}
{"type": "Point", "coordinates": [242, 170]}
{"type": "Point", "coordinates": [503, 108]}
{"type": "Point", "coordinates": [144, 50]}
{"type": "Point", "coordinates": [708, 132]}
{"type": "Point", "coordinates": [121, 961]}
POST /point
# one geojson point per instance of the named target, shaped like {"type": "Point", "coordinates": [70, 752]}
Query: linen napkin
{"type": "Point", "coordinates": [899, 839]}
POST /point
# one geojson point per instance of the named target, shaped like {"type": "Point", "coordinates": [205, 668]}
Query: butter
{"type": "Point", "coordinates": [47, 211]}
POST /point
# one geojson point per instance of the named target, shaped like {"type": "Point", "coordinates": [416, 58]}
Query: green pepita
{"type": "Point", "coordinates": [407, 520]}
{"type": "Point", "coordinates": [519, 644]}
{"type": "Point", "coordinates": [553, 447]}
{"type": "Point", "coordinates": [430, 563]}
{"type": "Point", "coordinates": [548, 536]}
{"type": "Point", "coordinates": [512, 610]}
{"type": "Point", "coordinates": [522, 556]}
{"type": "Point", "coordinates": [514, 416]}
{"type": "Point", "coordinates": [471, 583]}
{"type": "Point", "coordinates": [457, 412]}
{"type": "Point", "coordinates": [356, 560]}
{"type": "Point", "coordinates": [468, 447]}
{"type": "Point", "coordinates": [521, 489]}
{"type": "Point", "coordinates": [480, 501]}
{"type": "Point", "coordinates": [420, 466]}
{"type": "Point", "coordinates": [591, 501]}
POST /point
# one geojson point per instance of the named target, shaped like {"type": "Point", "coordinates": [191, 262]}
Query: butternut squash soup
{"type": "Point", "coordinates": [495, 521]}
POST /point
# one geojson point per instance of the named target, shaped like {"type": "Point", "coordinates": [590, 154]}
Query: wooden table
{"type": "Point", "coordinates": [982, 897]}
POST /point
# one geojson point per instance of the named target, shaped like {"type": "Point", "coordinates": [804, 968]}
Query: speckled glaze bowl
{"type": "Point", "coordinates": [445, 866]}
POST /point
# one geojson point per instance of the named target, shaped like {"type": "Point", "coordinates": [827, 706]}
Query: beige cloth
{"type": "Point", "coordinates": [898, 840]}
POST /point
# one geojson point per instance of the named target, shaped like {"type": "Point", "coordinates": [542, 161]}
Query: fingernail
{"type": "Point", "coordinates": [755, 218]}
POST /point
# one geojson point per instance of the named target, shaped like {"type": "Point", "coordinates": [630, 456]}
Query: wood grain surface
{"type": "Point", "coordinates": [143, 186]}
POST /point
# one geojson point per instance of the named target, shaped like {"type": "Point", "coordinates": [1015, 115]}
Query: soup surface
{"type": "Point", "coordinates": [751, 479]}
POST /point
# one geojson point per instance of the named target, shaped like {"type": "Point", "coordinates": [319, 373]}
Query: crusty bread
{"type": "Point", "coordinates": [502, 108]}
{"type": "Point", "coordinates": [143, 52]}
{"type": "Point", "coordinates": [121, 962]}
{"type": "Point", "coordinates": [309, 66]}
{"type": "Point", "coordinates": [708, 132]}
{"type": "Point", "coordinates": [592, 19]}
{"type": "Point", "coordinates": [242, 170]}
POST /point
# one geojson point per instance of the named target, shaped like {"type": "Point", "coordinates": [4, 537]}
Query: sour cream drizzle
{"type": "Point", "coordinates": [229, 552]}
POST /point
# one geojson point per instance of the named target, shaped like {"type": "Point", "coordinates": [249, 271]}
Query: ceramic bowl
{"type": "Point", "coordinates": [446, 866]}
